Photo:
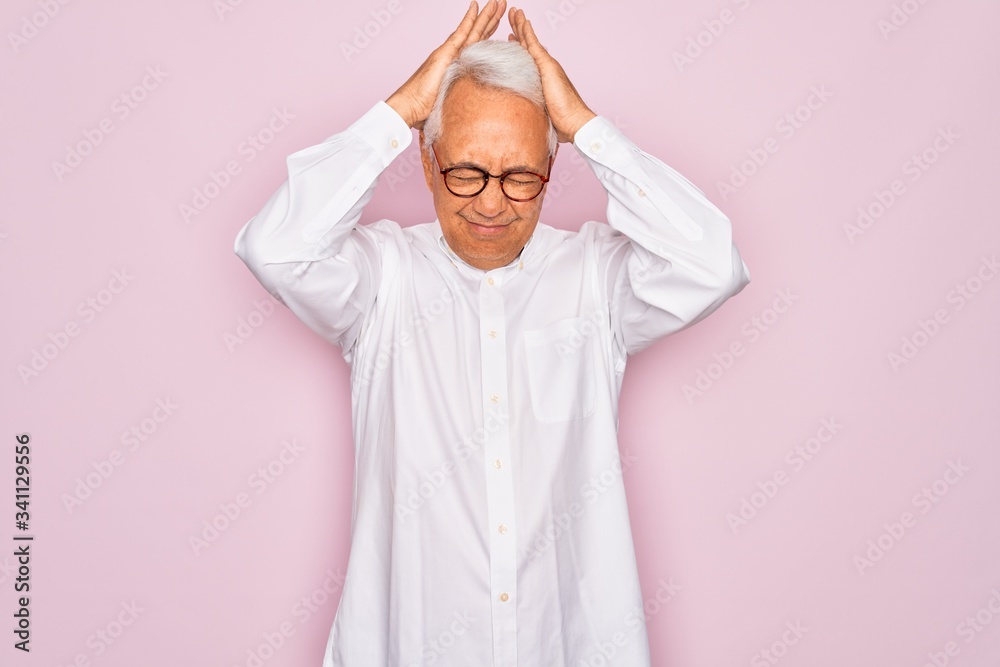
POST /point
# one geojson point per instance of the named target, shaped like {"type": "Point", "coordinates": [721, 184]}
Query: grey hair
{"type": "Point", "coordinates": [500, 65]}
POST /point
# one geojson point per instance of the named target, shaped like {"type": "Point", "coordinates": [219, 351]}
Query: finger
{"type": "Point", "coordinates": [482, 21]}
{"type": "Point", "coordinates": [512, 19]}
{"type": "Point", "coordinates": [494, 22]}
{"type": "Point", "coordinates": [527, 32]}
{"type": "Point", "coordinates": [531, 40]}
{"type": "Point", "coordinates": [519, 21]}
{"type": "Point", "coordinates": [457, 38]}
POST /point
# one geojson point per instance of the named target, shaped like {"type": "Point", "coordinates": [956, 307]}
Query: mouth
{"type": "Point", "coordinates": [488, 230]}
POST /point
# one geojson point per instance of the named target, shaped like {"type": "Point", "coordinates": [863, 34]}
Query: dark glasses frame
{"type": "Point", "coordinates": [487, 176]}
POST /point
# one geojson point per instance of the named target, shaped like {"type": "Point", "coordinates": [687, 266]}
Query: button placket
{"type": "Point", "coordinates": [499, 482]}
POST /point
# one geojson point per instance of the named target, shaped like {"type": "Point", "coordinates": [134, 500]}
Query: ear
{"type": "Point", "coordinates": [427, 160]}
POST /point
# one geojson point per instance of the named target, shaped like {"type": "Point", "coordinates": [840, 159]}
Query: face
{"type": "Point", "coordinates": [496, 131]}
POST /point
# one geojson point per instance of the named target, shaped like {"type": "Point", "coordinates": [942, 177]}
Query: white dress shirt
{"type": "Point", "coordinates": [489, 523]}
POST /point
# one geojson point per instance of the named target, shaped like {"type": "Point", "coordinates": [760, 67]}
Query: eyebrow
{"type": "Point", "coordinates": [517, 167]}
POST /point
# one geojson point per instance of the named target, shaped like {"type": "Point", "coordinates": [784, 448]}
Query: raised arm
{"type": "Point", "coordinates": [673, 260]}
{"type": "Point", "coordinates": [305, 246]}
{"type": "Point", "coordinates": [678, 262]}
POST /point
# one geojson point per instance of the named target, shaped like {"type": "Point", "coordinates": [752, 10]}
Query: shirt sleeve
{"type": "Point", "coordinates": [678, 262]}
{"type": "Point", "coordinates": [305, 246]}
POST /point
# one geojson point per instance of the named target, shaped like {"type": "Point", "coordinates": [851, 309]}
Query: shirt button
{"type": "Point", "coordinates": [642, 193]}
{"type": "Point", "coordinates": [489, 280]}
{"type": "Point", "coordinates": [504, 597]}
{"type": "Point", "coordinates": [596, 146]}
{"type": "Point", "coordinates": [502, 528]}
{"type": "Point", "coordinates": [394, 143]}
{"type": "Point", "coordinates": [494, 398]}
{"type": "Point", "coordinates": [493, 333]}
{"type": "Point", "coordinates": [497, 463]}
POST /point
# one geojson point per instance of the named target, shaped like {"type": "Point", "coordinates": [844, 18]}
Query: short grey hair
{"type": "Point", "coordinates": [500, 65]}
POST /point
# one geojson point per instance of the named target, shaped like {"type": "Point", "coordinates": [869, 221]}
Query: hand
{"type": "Point", "coordinates": [565, 106]}
{"type": "Point", "coordinates": [414, 100]}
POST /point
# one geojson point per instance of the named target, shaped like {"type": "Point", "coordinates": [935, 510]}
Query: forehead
{"type": "Point", "coordinates": [491, 126]}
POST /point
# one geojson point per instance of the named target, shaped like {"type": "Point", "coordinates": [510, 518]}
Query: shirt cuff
{"type": "Point", "coordinates": [600, 140]}
{"type": "Point", "coordinates": [384, 130]}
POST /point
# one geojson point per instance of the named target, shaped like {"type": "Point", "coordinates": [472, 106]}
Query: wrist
{"type": "Point", "coordinates": [581, 119]}
{"type": "Point", "coordinates": [400, 108]}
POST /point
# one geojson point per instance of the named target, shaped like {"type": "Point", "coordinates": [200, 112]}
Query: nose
{"type": "Point", "coordinates": [491, 202]}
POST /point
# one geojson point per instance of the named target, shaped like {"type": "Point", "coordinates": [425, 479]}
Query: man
{"type": "Point", "coordinates": [487, 351]}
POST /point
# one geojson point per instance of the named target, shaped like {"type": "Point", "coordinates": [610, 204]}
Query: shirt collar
{"type": "Point", "coordinates": [519, 262]}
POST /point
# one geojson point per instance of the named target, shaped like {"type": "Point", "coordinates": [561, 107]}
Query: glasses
{"type": "Point", "coordinates": [516, 185]}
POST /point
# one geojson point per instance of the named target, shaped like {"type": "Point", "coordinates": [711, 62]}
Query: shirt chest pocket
{"type": "Point", "coordinates": [562, 376]}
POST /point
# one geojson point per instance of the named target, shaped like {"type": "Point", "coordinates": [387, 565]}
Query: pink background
{"type": "Point", "coordinates": [166, 334]}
